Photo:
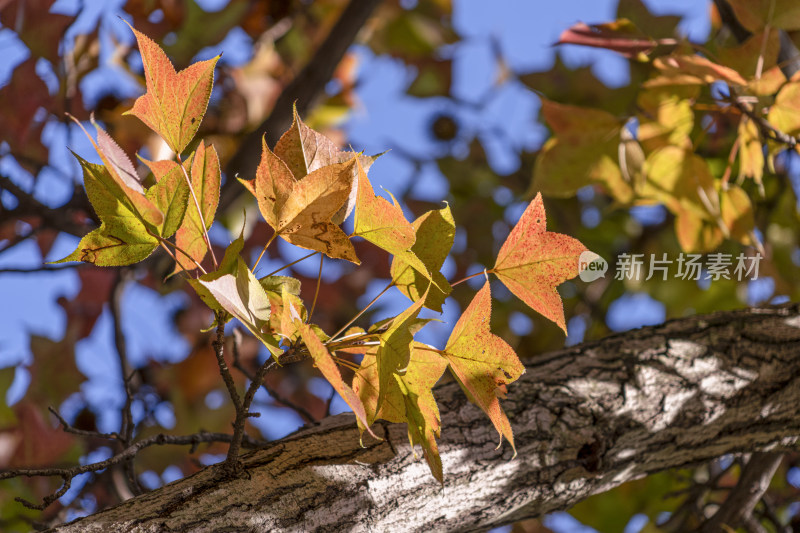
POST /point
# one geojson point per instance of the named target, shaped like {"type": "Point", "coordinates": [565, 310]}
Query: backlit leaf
{"type": "Point", "coordinates": [583, 150]}
{"type": "Point", "coordinates": [384, 225]}
{"type": "Point", "coordinates": [533, 261]}
{"type": "Point", "coordinates": [171, 195]}
{"type": "Point", "coordinates": [205, 175]}
{"type": "Point", "coordinates": [242, 296]}
{"type": "Point", "coordinates": [394, 350]}
{"type": "Point", "coordinates": [305, 218]}
{"type": "Point", "coordinates": [272, 186]}
{"type": "Point", "coordinates": [435, 233]}
{"type": "Point", "coordinates": [482, 362]}
{"type": "Point", "coordinates": [175, 102]}
{"type": "Point", "coordinates": [305, 150]}
{"type": "Point", "coordinates": [125, 186]}
{"type": "Point", "coordinates": [409, 398]}
{"type": "Point", "coordinates": [122, 238]}
{"type": "Point", "coordinates": [323, 360]}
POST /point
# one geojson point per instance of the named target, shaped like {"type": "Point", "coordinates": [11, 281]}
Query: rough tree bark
{"type": "Point", "coordinates": [586, 419]}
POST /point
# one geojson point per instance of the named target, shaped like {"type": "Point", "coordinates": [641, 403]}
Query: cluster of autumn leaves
{"type": "Point", "coordinates": [305, 189]}
{"type": "Point", "coordinates": [659, 149]}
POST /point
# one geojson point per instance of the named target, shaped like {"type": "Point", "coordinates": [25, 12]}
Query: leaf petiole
{"type": "Point", "coordinates": [265, 249]}
{"type": "Point", "coordinates": [475, 275]}
{"type": "Point", "coordinates": [199, 213]}
{"type": "Point", "coordinates": [343, 328]}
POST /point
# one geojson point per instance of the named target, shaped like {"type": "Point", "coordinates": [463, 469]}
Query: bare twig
{"type": "Point", "coordinates": [37, 270]}
{"type": "Point", "coordinates": [219, 347]}
{"type": "Point", "coordinates": [68, 428]}
{"type": "Point", "coordinates": [68, 474]}
{"type": "Point", "coordinates": [768, 130]}
{"type": "Point", "coordinates": [274, 394]}
{"type": "Point", "coordinates": [126, 429]}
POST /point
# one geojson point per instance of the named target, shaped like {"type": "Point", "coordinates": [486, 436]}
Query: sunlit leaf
{"type": "Point", "coordinates": [583, 150]}
{"type": "Point", "coordinates": [533, 261]}
{"type": "Point", "coordinates": [272, 186]}
{"type": "Point", "coordinates": [305, 218]}
{"type": "Point", "coordinates": [394, 350]}
{"type": "Point", "coordinates": [171, 195]}
{"type": "Point", "coordinates": [122, 238]}
{"type": "Point", "coordinates": [205, 176]}
{"type": "Point", "coordinates": [325, 363]}
{"type": "Point", "coordinates": [305, 150]}
{"type": "Point", "coordinates": [384, 225]}
{"type": "Point", "coordinates": [242, 296]}
{"type": "Point", "coordinates": [175, 102]}
{"type": "Point", "coordinates": [409, 398]}
{"type": "Point", "coordinates": [482, 362]}
{"type": "Point", "coordinates": [435, 232]}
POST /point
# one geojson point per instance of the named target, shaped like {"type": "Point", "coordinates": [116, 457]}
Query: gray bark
{"type": "Point", "coordinates": [586, 419]}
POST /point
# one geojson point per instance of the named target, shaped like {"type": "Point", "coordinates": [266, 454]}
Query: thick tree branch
{"type": "Point", "coordinates": [586, 419]}
{"type": "Point", "coordinates": [302, 91]}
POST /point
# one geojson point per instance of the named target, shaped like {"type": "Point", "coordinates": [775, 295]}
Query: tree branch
{"type": "Point", "coordinates": [737, 510]}
{"type": "Point", "coordinates": [586, 419]}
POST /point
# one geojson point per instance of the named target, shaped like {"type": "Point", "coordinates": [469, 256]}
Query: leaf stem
{"type": "Point", "coordinates": [316, 292]}
{"type": "Point", "coordinates": [199, 213]}
{"type": "Point", "coordinates": [343, 328]}
{"type": "Point", "coordinates": [164, 242]}
{"type": "Point", "coordinates": [265, 249]}
{"type": "Point", "coordinates": [290, 264]}
{"type": "Point", "coordinates": [475, 275]}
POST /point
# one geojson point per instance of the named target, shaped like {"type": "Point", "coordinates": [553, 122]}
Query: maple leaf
{"type": "Point", "coordinates": [126, 186]}
{"type": "Point", "coordinates": [272, 185]}
{"type": "Point", "coordinates": [175, 102]}
{"type": "Point", "coordinates": [434, 233]}
{"type": "Point", "coordinates": [305, 150]}
{"type": "Point", "coordinates": [384, 225]}
{"type": "Point", "coordinates": [408, 398]}
{"type": "Point", "coordinates": [305, 218]}
{"type": "Point", "coordinates": [533, 261]}
{"type": "Point", "coordinates": [170, 195]}
{"type": "Point", "coordinates": [115, 158]}
{"type": "Point", "coordinates": [122, 238]}
{"type": "Point", "coordinates": [242, 296]}
{"type": "Point", "coordinates": [205, 175]}
{"type": "Point", "coordinates": [394, 350]}
{"type": "Point", "coordinates": [482, 362]}
{"type": "Point", "coordinates": [323, 360]}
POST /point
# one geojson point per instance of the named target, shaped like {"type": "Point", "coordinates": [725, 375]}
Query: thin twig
{"type": "Point", "coordinates": [219, 347]}
{"type": "Point", "coordinates": [36, 270]}
{"type": "Point", "coordinates": [126, 429]}
{"type": "Point", "coordinates": [768, 130]}
{"type": "Point", "coordinates": [274, 394]}
{"type": "Point", "coordinates": [67, 474]}
{"type": "Point", "coordinates": [232, 464]}
{"type": "Point", "coordinates": [68, 428]}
